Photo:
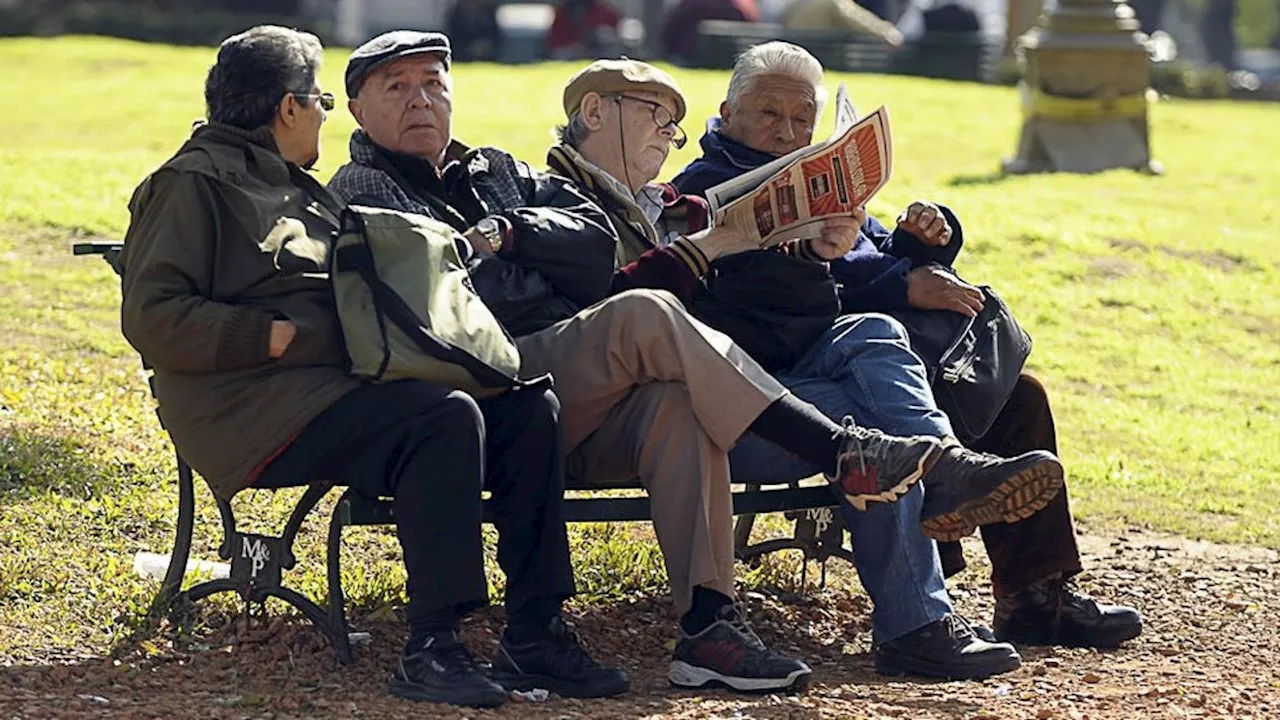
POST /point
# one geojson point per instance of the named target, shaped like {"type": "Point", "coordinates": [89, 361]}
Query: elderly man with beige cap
{"type": "Point", "coordinates": [646, 390]}
{"type": "Point", "coordinates": [622, 119]}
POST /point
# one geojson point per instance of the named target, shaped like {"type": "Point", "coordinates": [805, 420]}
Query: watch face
{"type": "Point", "coordinates": [492, 232]}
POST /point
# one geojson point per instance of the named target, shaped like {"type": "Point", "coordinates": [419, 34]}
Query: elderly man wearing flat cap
{"type": "Point", "coordinates": [646, 390]}
{"type": "Point", "coordinates": [622, 118]}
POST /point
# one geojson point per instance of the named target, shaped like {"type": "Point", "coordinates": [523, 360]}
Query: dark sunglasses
{"type": "Point", "coordinates": [327, 100]}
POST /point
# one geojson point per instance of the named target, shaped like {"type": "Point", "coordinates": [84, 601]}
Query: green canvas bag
{"type": "Point", "coordinates": [408, 309]}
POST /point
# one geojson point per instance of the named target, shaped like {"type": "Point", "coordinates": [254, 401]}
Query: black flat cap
{"type": "Point", "coordinates": [392, 46]}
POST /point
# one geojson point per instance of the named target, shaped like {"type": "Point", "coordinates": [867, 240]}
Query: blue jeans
{"type": "Point", "coordinates": [864, 367]}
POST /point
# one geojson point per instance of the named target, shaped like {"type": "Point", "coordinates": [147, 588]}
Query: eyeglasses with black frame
{"type": "Point", "coordinates": [327, 101]}
{"type": "Point", "coordinates": [662, 116]}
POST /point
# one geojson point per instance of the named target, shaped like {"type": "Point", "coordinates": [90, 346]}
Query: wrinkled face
{"type": "Point", "coordinates": [300, 116]}
{"type": "Point", "coordinates": [776, 116]}
{"type": "Point", "coordinates": [313, 116]}
{"type": "Point", "coordinates": [407, 106]}
{"type": "Point", "coordinates": [645, 142]}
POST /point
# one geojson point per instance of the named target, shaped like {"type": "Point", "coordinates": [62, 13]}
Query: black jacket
{"type": "Point", "coordinates": [560, 258]}
{"type": "Point", "coordinates": [774, 306]}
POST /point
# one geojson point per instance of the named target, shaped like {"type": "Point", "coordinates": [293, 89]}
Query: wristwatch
{"type": "Point", "coordinates": [494, 230]}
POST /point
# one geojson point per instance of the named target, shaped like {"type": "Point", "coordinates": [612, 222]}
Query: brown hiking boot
{"type": "Point", "coordinates": [965, 489]}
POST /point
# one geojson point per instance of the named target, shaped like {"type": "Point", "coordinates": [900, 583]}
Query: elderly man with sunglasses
{"type": "Point", "coordinates": [225, 293]}
{"type": "Point", "coordinates": [647, 391]}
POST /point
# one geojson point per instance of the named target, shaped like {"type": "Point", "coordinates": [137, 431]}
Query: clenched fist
{"type": "Point", "coordinates": [924, 220]}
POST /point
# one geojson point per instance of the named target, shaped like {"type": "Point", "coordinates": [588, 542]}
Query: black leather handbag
{"type": "Point", "coordinates": [972, 363]}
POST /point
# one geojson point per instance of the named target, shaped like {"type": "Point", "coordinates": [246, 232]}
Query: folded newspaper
{"type": "Point", "coordinates": [786, 198]}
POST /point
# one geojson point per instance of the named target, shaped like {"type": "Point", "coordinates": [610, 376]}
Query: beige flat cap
{"type": "Point", "coordinates": [615, 76]}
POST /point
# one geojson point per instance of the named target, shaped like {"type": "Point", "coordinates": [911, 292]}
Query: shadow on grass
{"type": "Point", "coordinates": [991, 178]}
{"type": "Point", "coordinates": [32, 462]}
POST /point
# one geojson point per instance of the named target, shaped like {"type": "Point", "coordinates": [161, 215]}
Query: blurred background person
{"type": "Point", "coordinates": [1149, 13]}
{"type": "Point", "coordinates": [584, 29]}
{"type": "Point", "coordinates": [987, 18]}
{"type": "Point", "coordinates": [473, 28]}
{"type": "Point", "coordinates": [1218, 31]}
{"type": "Point", "coordinates": [846, 15]}
{"type": "Point", "coordinates": [680, 28]}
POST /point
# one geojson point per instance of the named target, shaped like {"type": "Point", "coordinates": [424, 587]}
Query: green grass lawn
{"type": "Point", "coordinates": [1154, 303]}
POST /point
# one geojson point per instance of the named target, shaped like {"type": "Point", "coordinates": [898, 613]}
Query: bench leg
{"type": "Point", "coordinates": [318, 617]}
{"type": "Point", "coordinates": [742, 530]}
{"type": "Point", "coordinates": [310, 498]}
{"type": "Point", "coordinates": [818, 533]}
{"type": "Point", "coordinates": [172, 583]}
{"type": "Point", "coordinates": [337, 601]}
{"type": "Point", "coordinates": [211, 587]}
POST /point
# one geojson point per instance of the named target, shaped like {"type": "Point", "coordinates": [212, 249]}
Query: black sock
{"type": "Point", "coordinates": [801, 429]}
{"type": "Point", "coordinates": [532, 620]}
{"type": "Point", "coordinates": [424, 627]}
{"type": "Point", "coordinates": [703, 610]}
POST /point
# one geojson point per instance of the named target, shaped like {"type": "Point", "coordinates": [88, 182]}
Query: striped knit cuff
{"type": "Point", "coordinates": [244, 339]}
{"type": "Point", "coordinates": [805, 251]}
{"type": "Point", "coordinates": [691, 255]}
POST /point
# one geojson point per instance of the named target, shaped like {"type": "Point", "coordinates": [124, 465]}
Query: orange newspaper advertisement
{"type": "Point", "coordinates": [786, 198]}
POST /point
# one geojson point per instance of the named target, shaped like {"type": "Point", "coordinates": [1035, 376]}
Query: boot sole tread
{"type": "Point", "coordinates": [1022, 495]}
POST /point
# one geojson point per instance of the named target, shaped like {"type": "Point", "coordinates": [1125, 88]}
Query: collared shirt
{"type": "Point", "coordinates": [648, 201]}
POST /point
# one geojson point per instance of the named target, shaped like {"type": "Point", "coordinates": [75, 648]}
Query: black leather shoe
{"type": "Point", "coordinates": [947, 649]}
{"type": "Point", "coordinates": [557, 663]}
{"type": "Point", "coordinates": [965, 490]}
{"type": "Point", "coordinates": [443, 671]}
{"type": "Point", "coordinates": [984, 632]}
{"type": "Point", "coordinates": [1054, 612]}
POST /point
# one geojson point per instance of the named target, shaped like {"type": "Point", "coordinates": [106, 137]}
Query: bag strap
{"type": "Point", "coordinates": [359, 259]}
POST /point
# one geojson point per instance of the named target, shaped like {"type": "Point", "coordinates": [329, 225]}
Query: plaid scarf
{"type": "Point", "coordinates": [473, 183]}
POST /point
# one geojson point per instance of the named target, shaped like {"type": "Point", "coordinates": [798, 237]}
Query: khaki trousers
{"type": "Point", "coordinates": [646, 390]}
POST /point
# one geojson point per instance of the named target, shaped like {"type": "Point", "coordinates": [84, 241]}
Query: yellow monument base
{"type": "Point", "coordinates": [1084, 102]}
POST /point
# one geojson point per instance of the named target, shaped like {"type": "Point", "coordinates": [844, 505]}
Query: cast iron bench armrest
{"type": "Point", "coordinates": [96, 248]}
{"type": "Point", "coordinates": [110, 252]}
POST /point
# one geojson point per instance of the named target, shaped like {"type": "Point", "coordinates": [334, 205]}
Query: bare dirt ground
{"type": "Point", "coordinates": [1210, 650]}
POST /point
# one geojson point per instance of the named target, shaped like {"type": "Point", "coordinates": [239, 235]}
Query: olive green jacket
{"type": "Point", "coordinates": [225, 237]}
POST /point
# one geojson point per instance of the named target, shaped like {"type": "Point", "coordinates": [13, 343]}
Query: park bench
{"type": "Point", "coordinates": [953, 56]}
{"type": "Point", "coordinates": [258, 561]}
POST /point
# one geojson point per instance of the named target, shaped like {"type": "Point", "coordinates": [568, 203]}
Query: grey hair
{"type": "Point", "coordinates": [573, 132]}
{"type": "Point", "coordinates": [255, 70]}
{"type": "Point", "coordinates": [775, 58]}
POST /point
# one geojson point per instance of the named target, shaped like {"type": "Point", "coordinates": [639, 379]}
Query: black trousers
{"type": "Point", "coordinates": [432, 450]}
{"type": "Point", "coordinates": [1045, 543]}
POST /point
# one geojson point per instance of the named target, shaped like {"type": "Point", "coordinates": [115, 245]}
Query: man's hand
{"type": "Point", "coordinates": [721, 240]}
{"type": "Point", "coordinates": [839, 235]}
{"type": "Point", "coordinates": [282, 332]}
{"type": "Point", "coordinates": [933, 288]}
{"type": "Point", "coordinates": [924, 220]}
{"type": "Point", "coordinates": [478, 242]}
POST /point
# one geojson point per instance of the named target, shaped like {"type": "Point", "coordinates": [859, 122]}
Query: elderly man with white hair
{"type": "Point", "coordinates": [775, 96]}
{"type": "Point", "coordinates": [622, 119]}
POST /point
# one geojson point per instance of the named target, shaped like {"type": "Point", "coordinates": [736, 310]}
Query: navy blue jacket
{"type": "Point", "coordinates": [873, 276]}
